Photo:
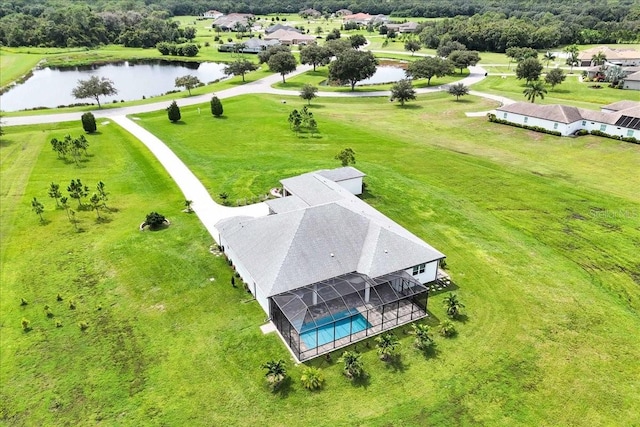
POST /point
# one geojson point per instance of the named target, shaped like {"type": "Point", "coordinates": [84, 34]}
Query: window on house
{"type": "Point", "coordinates": [419, 269]}
{"type": "Point", "coordinates": [584, 123]}
{"type": "Point", "coordinates": [603, 128]}
{"type": "Point", "coordinates": [526, 119]}
{"type": "Point", "coordinates": [504, 116]}
{"type": "Point", "coordinates": [629, 132]}
{"type": "Point", "coordinates": [555, 126]}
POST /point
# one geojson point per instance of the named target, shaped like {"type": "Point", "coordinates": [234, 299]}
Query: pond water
{"type": "Point", "coordinates": [52, 87]}
{"type": "Point", "coordinates": [384, 74]}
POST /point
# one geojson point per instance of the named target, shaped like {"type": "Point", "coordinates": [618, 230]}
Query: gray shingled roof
{"type": "Point", "coordinates": [289, 250]}
{"type": "Point", "coordinates": [286, 204]}
{"type": "Point", "coordinates": [341, 174]}
{"type": "Point", "coordinates": [556, 113]}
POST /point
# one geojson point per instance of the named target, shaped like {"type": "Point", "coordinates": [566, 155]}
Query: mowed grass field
{"type": "Point", "coordinates": [541, 234]}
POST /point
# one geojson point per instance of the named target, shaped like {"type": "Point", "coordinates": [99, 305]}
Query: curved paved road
{"type": "Point", "coordinates": [204, 206]}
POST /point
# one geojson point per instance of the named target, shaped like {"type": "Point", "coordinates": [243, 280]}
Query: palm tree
{"type": "Point", "coordinates": [548, 57]}
{"type": "Point", "coordinates": [276, 373]}
{"type": "Point", "coordinates": [423, 339]}
{"type": "Point", "coordinates": [534, 90]}
{"type": "Point", "coordinates": [187, 204]}
{"type": "Point", "coordinates": [387, 345]}
{"type": "Point", "coordinates": [353, 367]}
{"type": "Point", "coordinates": [599, 58]}
{"type": "Point", "coordinates": [447, 328]}
{"type": "Point", "coordinates": [452, 305]}
{"type": "Point", "coordinates": [572, 56]}
{"type": "Point", "coordinates": [311, 378]}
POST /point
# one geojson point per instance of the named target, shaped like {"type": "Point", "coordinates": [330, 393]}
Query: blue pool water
{"type": "Point", "coordinates": [348, 321]}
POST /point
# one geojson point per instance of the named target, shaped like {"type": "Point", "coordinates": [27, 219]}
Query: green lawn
{"type": "Point", "coordinates": [541, 235]}
{"type": "Point", "coordinates": [570, 92]}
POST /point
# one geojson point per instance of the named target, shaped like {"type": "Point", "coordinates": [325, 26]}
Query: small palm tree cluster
{"type": "Point", "coordinates": [312, 378]}
{"type": "Point", "coordinates": [453, 305]}
{"type": "Point", "coordinates": [276, 373]}
{"type": "Point", "coordinates": [447, 329]}
{"type": "Point", "coordinates": [353, 367]}
{"type": "Point", "coordinates": [387, 346]}
{"type": "Point", "coordinates": [423, 340]}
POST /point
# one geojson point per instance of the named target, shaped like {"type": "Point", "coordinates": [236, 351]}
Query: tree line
{"type": "Point", "coordinates": [479, 24]}
{"type": "Point", "coordinates": [495, 32]}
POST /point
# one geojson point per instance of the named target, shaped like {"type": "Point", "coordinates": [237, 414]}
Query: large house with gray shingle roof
{"type": "Point", "coordinates": [326, 267]}
{"type": "Point", "coordinates": [618, 119]}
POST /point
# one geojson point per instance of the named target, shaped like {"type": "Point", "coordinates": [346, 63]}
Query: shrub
{"type": "Point", "coordinates": [59, 298]}
{"type": "Point", "coordinates": [58, 324]}
{"type": "Point", "coordinates": [216, 107]}
{"type": "Point", "coordinates": [423, 340]}
{"type": "Point", "coordinates": [72, 305]}
{"type": "Point", "coordinates": [83, 325]}
{"type": "Point", "coordinates": [582, 132]}
{"type": "Point", "coordinates": [23, 301]}
{"type": "Point", "coordinates": [492, 118]}
{"type": "Point", "coordinates": [353, 367]}
{"type": "Point", "coordinates": [89, 123]}
{"type": "Point", "coordinates": [26, 325]}
{"type": "Point", "coordinates": [312, 378]}
{"type": "Point", "coordinates": [154, 220]}
{"type": "Point", "coordinates": [173, 111]}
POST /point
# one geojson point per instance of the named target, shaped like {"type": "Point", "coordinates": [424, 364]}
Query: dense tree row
{"type": "Point", "coordinates": [601, 11]}
{"type": "Point", "coordinates": [492, 26]}
{"type": "Point", "coordinates": [79, 25]}
{"type": "Point", "coordinates": [495, 32]}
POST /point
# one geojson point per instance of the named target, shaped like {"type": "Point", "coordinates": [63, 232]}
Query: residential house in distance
{"type": "Point", "coordinates": [632, 81]}
{"type": "Point", "coordinates": [343, 12]}
{"type": "Point", "coordinates": [622, 57]}
{"type": "Point", "coordinates": [620, 119]}
{"type": "Point", "coordinates": [310, 13]}
{"type": "Point", "coordinates": [276, 27]}
{"type": "Point", "coordinates": [212, 14]}
{"type": "Point", "coordinates": [228, 22]}
{"type": "Point", "coordinates": [405, 27]}
{"type": "Point", "coordinates": [252, 45]}
{"type": "Point", "coordinates": [328, 269]}
{"type": "Point", "coordinates": [289, 38]}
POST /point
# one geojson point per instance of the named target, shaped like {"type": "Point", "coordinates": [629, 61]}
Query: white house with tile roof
{"type": "Point", "coordinates": [619, 119]}
{"type": "Point", "coordinates": [324, 252]}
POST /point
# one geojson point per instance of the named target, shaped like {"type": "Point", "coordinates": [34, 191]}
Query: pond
{"type": "Point", "coordinates": [384, 74]}
{"type": "Point", "coordinates": [50, 87]}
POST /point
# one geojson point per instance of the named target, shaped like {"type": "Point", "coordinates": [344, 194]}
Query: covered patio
{"type": "Point", "coordinates": [333, 313]}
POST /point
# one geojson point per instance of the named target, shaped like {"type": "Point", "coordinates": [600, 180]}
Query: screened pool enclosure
{"type": "Point", "coordinates": [333, 313]}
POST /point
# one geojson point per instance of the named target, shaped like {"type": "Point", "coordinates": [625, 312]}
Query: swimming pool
{"type": "Point", "coordinates": [343, 323]}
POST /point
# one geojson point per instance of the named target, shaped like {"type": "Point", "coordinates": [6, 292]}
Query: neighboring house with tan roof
{"type": "Point", "coordinates": [623, 57]}
{"type": "Point", "coordinates": [327, 268]}
{"type": "Point", "coordinates": [228, 22]}
{"type": "Point", "coordinates": [288, 38]}
{"type": "Point", "coordinates": [619, 119]}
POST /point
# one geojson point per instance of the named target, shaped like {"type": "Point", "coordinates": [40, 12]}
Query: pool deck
{"type": "Point", "coordinates": [407, 312]}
